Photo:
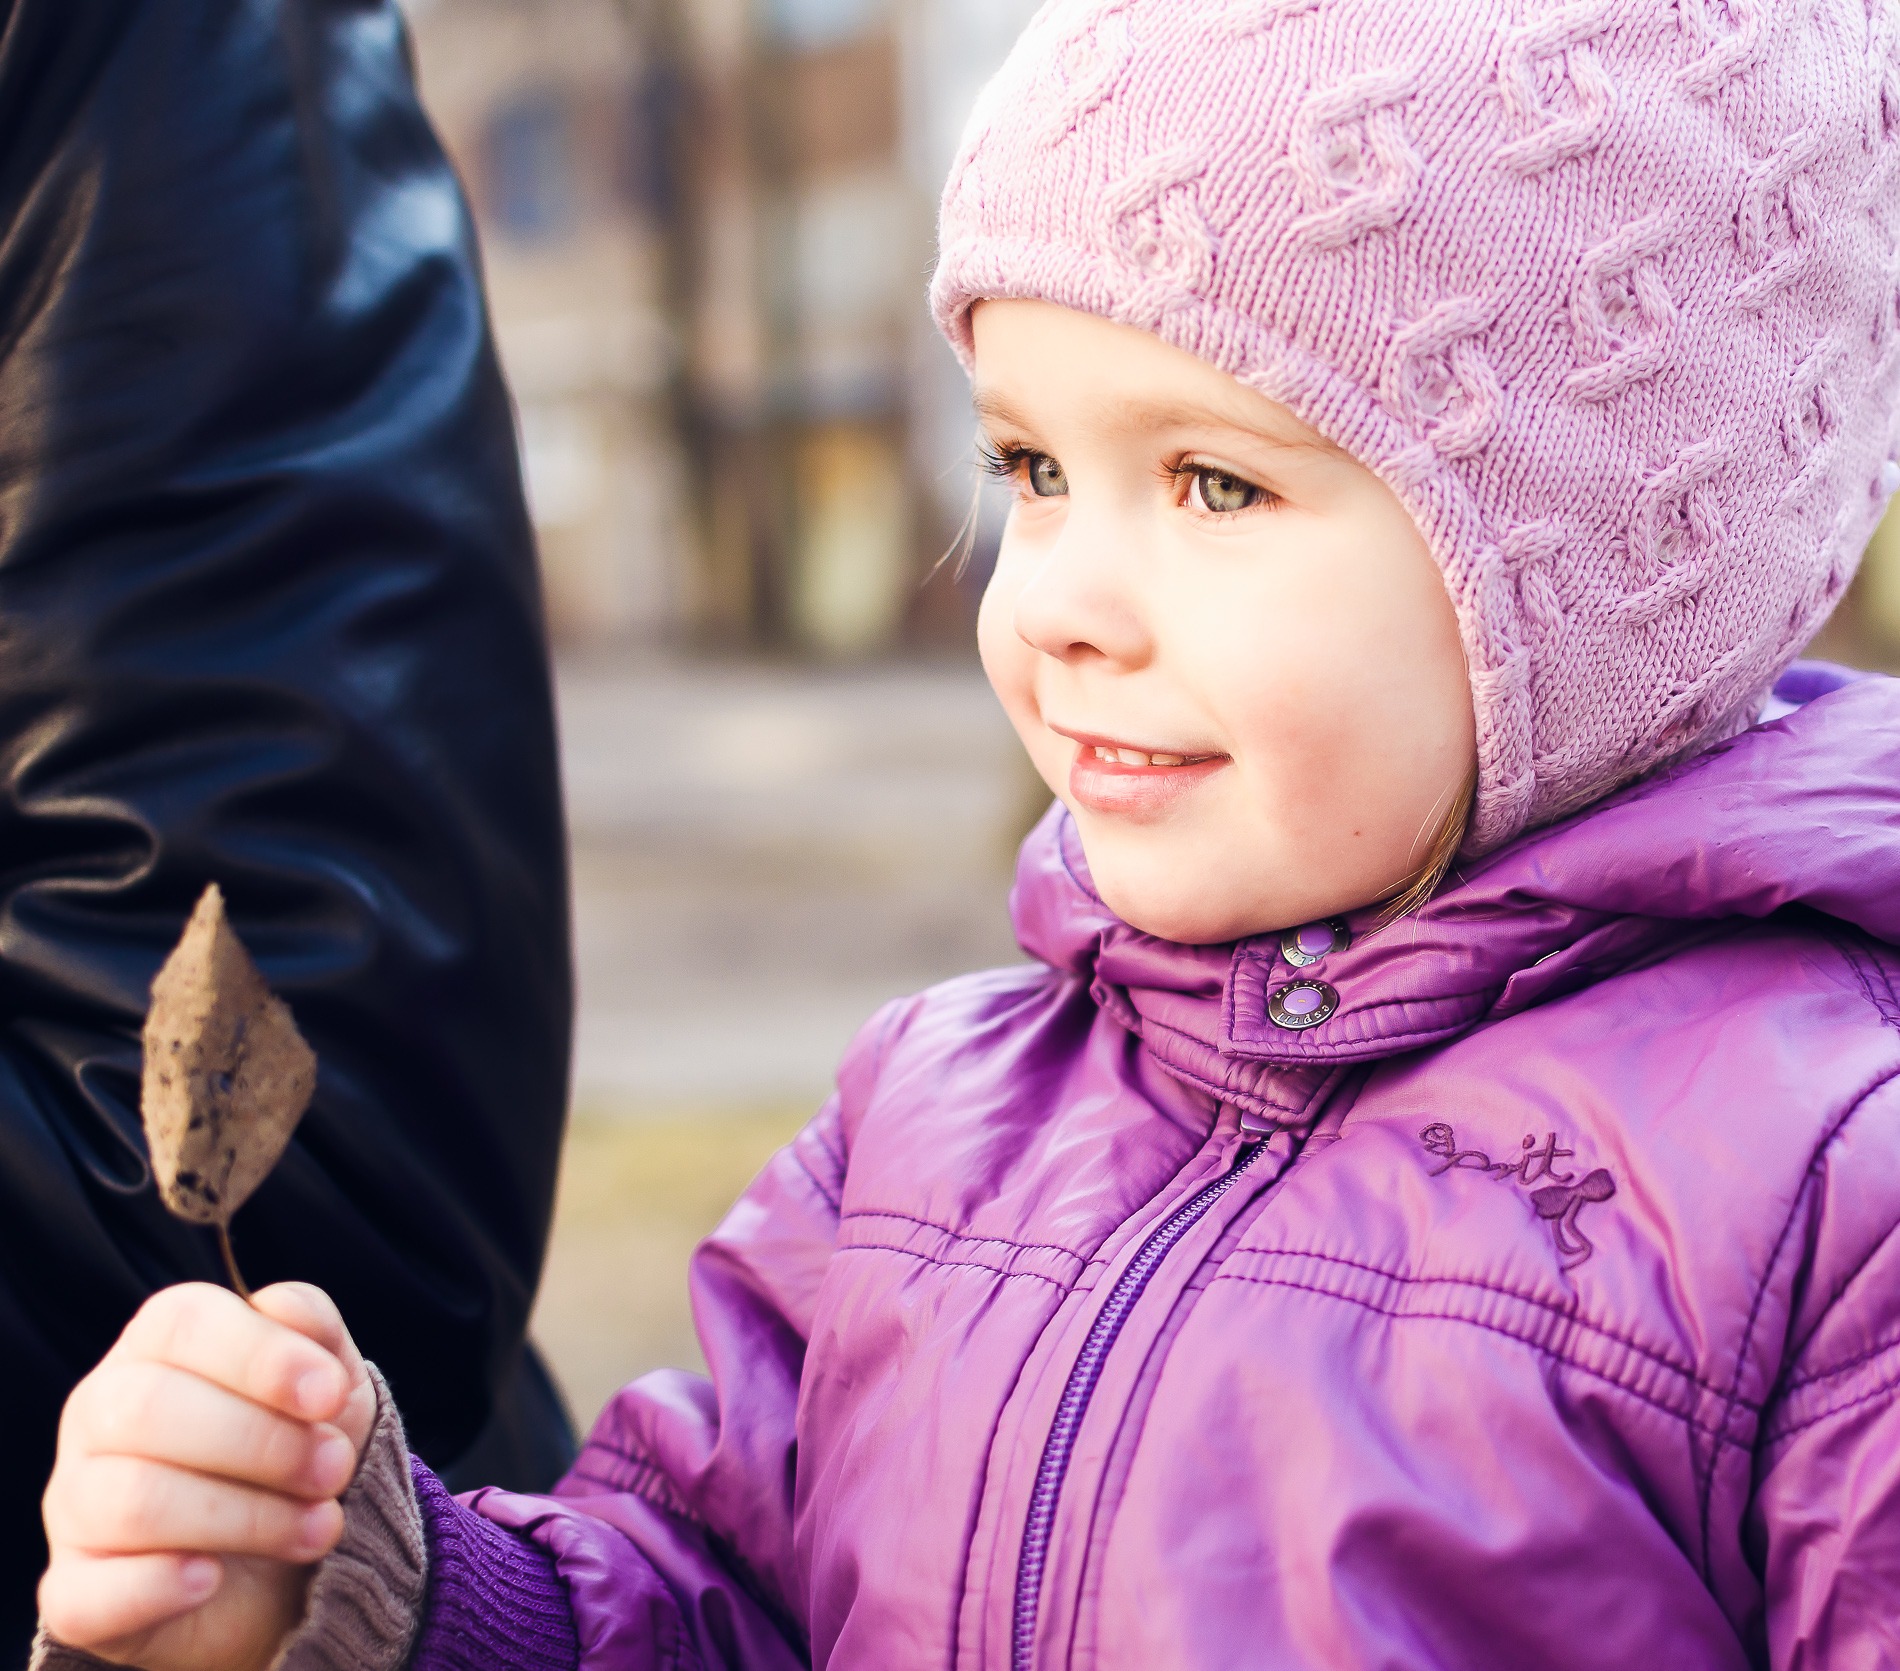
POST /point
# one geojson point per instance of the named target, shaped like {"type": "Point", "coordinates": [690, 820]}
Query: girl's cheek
{"type": "Point", "coordinates": [1283, 662]}
{"type": "Point", "coordinates": [1007, 660]}
{"type": "Point", "coordinates": [1010, 665]}
{"type": "Point", "coordinates": [993, 629]}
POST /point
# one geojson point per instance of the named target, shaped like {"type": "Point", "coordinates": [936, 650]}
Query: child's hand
{"type": "Point", "coordinates": [197, 1479]}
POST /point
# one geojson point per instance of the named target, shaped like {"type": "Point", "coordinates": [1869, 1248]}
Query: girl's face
{"type": "Point", "coordinates": [1221, 639]}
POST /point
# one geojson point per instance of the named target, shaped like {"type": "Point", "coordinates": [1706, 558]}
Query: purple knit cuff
{"type": "Point", "coordinates": [495, 1602]}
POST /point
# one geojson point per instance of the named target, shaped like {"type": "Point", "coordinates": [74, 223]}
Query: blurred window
{"type": "Point", "coordinates": [815, 23]}
{"type": "Point", "coordinates": [840, 105]}
{"type": "Point", "coordinates": [529, 156]}
{"type": "Point", "coordinates": [562, 462]}
{"type": "Point", "coordinates": [852, 262]}
{"type": "Point", "coordinates": [851, 569]}
{"type": "Point", "coordinates": [649, 153]}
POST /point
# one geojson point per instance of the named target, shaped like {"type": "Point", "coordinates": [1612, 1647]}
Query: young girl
{"type": "Point", "coordinates": [1433, 1200]}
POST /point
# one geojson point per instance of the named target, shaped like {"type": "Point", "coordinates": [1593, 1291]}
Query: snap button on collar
{"type": "Point", "coordinates": [1307, 945]}
{"type": "Point", "coordinates": [1302, 1004]}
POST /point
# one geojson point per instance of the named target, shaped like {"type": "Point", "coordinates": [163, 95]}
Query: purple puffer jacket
{"type": "Point", "coordinates": [1539, 1307]}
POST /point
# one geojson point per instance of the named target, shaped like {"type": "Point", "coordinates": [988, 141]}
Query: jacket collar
{"type": "Point", "coordinates": [1801, 809]}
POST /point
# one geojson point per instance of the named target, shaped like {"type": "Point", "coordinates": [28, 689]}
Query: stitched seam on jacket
{"type": "Point", "coordinates": [1688, 1418]}
{"type": "Point", "coordinates": [1885, 1378]}
{"type": "Point", "coordinates": [1889, 1011]}
{"type": "Point", "coordinates": [974, 1516]}
{"type": "Point", "coordinates": [1808, 1183]}
{"type": "Point", "coordinates": [681, 1654]}
{"type": "Point", "coordinates": [834, 1202]}
{"type": "Point", "coordinates": [649, 1472]}
{"type": "Point", "coordinates": [1846, 1365]}
{"type": "Point", "coordinates": [1334, 1050]}
{"type": "Point", "coordinates": [1883, 966]}
{"type": "Point", "coordinates": [1192, 1077]}
{"type": "Point", "coordinates": [1437, 1001]}
{"type": "Point", "coordinates": [649, 1480]}
{"type": "Point", "coordinates": [955, 1264]}
{"type": "Point", "coordinates": [1576, 1319]}
{"type": "Point", "coordinates": [1799, 1349]}
{"type": "Point", "coordinates": [1858, 956]}
{"type": "Point", "coordinates": [1706, 1487]}
{"type": "Point", "coordinates": [963, 1236]}
{"type": "Point", "coordinates": [1243, 1075]}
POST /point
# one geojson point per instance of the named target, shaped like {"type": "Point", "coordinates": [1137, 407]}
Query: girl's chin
{"type": "Point", "coordinates": [1173, 895]}
{"type": "Point", "coordinates": [1193, 889]}
{"type": "Point", "coordinates": [1184, 923]}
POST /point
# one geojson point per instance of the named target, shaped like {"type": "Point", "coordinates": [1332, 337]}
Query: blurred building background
{"type": "Point", "coordinates": [707, 227]}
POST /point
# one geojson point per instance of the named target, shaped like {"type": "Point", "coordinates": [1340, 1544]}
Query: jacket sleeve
{"type": "Point", "coordinates": [673, 1536]}
{"type": "Point", "coordinates": [269, 616]}
{"type": "Point", "coordinates": [674, 1531]}
{"type": "Point", "coordinates": [1825, 1523]}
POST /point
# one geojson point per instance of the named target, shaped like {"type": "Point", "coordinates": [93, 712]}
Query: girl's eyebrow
{"type": "Point", "coordinates": [992, 406]}
{"type": "Point", "coordinates": [1135, 412]}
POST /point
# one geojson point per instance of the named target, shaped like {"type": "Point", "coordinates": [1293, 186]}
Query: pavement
{"type": "Point", "coordinates": [762, 855]}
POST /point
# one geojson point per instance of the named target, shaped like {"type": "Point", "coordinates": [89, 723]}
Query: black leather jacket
{"type": "Point", "coordinates": [268, 614]}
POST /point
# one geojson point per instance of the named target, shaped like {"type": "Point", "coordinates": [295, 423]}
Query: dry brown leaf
{"type": "Point", "coordinates": [227, 1074]}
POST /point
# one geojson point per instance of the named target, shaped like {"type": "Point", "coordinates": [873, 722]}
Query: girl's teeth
{"type": "Point", "coordinates": [1135, 757]}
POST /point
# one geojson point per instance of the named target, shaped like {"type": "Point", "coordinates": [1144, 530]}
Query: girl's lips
{"type": "Point", "coordinates": [1126, 787]}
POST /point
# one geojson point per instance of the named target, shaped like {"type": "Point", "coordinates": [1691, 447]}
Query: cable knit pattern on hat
{"type": "Point", "coordinates": [1607, 291]}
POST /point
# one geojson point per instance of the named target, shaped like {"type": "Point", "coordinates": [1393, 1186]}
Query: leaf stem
{"type": "Point", "coordinates": [231, 1264]}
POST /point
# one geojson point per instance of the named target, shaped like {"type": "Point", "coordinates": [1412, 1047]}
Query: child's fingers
{"type": "Point", "coordinates": [127, 1505]}
{"type": "Point", "coordinates": [93, 1601]}
{"type": "Point", "coordinates": [135, 1407]}
{"type": "Point", "coordinates": [216, 1335]}
{"type": "Point", "coordinates": [312, 1313]}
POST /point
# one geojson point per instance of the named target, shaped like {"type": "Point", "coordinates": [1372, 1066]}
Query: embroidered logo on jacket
{"type": "Point", "coordinates": [1559, 1196]}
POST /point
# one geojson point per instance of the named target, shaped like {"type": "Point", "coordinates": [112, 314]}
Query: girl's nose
{"type": "Point", "coordinates": [1078, 604]}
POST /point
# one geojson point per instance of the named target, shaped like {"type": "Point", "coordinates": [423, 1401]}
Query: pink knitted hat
{"type": "Point", "coordinates": [1605, 290]}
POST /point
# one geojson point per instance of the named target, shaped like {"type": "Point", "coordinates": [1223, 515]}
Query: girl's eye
{"type": "Point", "coordinates": [1019, 466]}
{"type": "Point", "coordinates": [1047, 480]}
{"type": "Point", "coordinates": [1223, 494]}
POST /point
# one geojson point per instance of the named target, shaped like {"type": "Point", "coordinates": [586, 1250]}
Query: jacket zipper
{"type": "Point", "coordinates": [1080, 1388]}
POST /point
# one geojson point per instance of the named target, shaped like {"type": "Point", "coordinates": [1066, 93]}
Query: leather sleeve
{"type": "Point", "coordinates": [269, 615]}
